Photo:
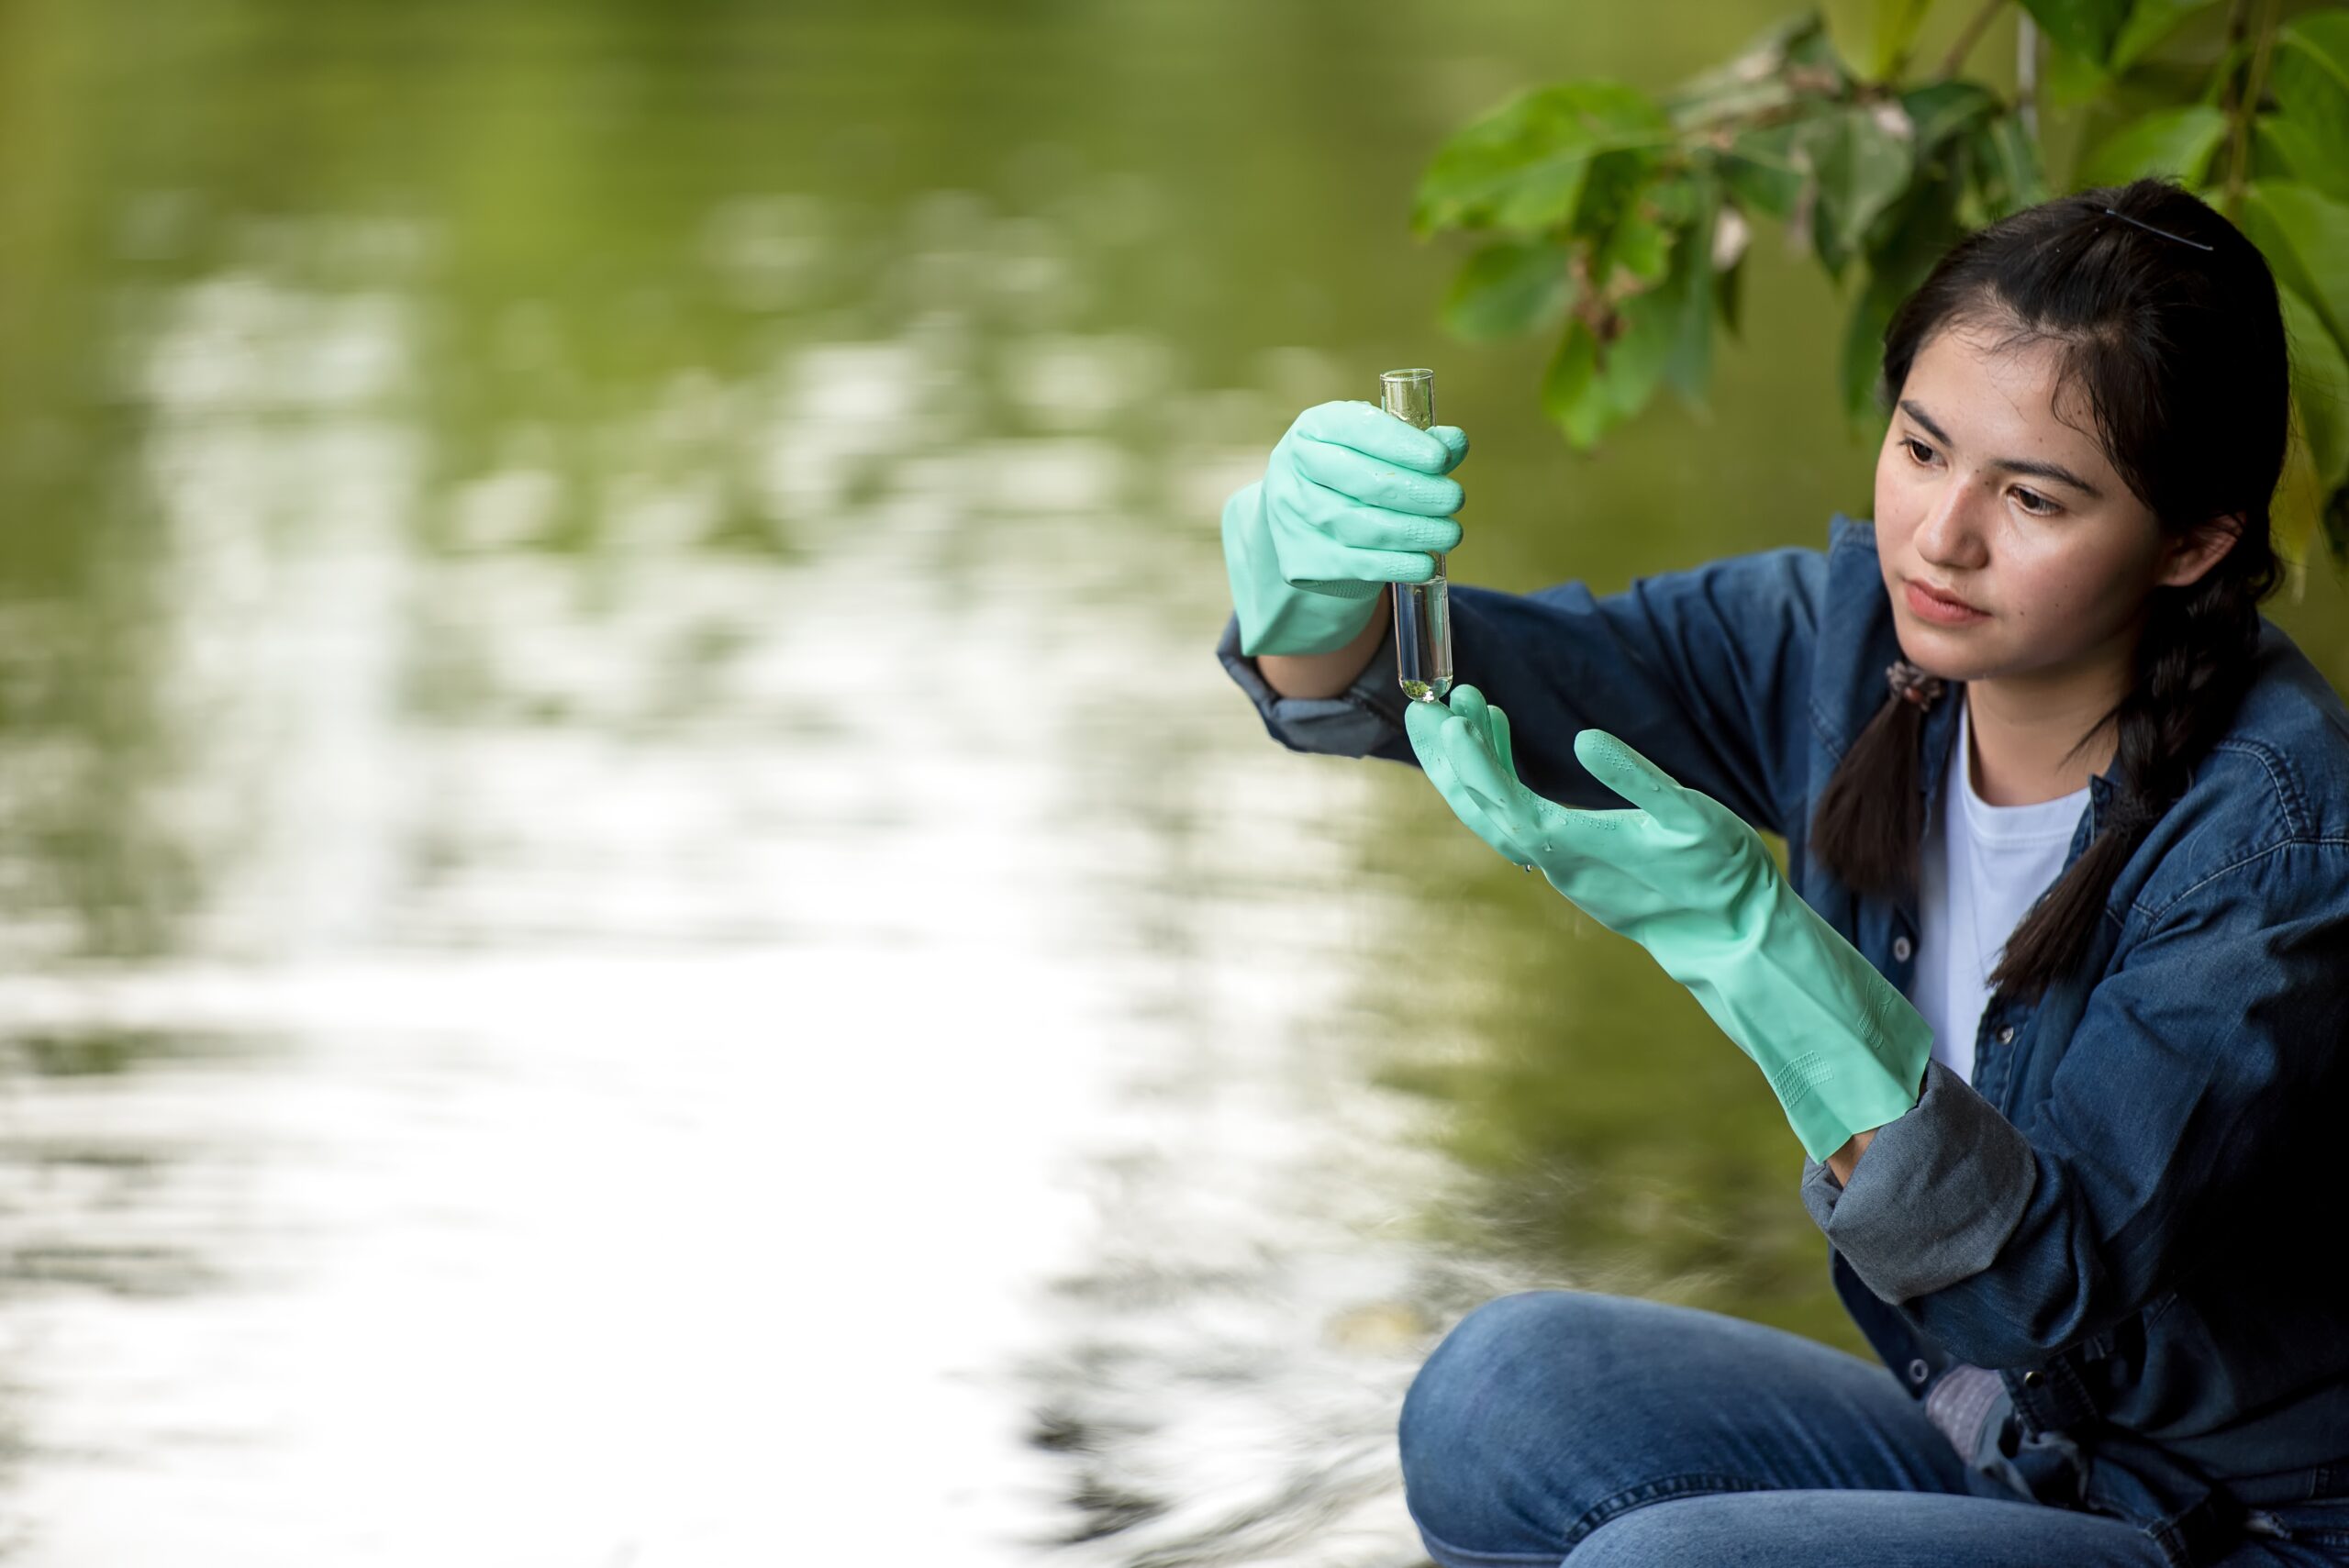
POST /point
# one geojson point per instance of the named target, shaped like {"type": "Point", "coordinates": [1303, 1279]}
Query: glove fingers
{"type": "Point", "coordinates": [1489, 722]}
{"type": "Point", "coordinates": [1469, 808]}
{"type": "Point", "coordinates": [1343, 588]}
{"type": "Point", "coordinates": [1366, 427]}
{"type": "Point", "coordinates": [1376, 481]}
{"type": "Point", "coordinates": [1502, 841]}
{"type": "Point", "coordinates": [1368, 572]}
{"type": "Point", "coordinates": [1455, 443]}
{"type": "Point", "coordinates": [1426, 722]}
{"type": "Point", "coordinates": [1357, 527]}
{"type": "Point", "coordinates": [1497, 733]}
{"type": "Point", "coordinates": [1466, 702]}
{"type": "Point", "coordinates": [1465, 749]}
{"type": "Point", "coordinates": [1312, 559]}
{"type": "Point", "coordinates": [1615, 764]}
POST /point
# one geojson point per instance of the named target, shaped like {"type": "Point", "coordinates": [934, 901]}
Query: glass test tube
{"type": "Point", "coordinates": [1422, 610]}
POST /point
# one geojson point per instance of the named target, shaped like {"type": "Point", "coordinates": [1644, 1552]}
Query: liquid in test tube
{"type": "Point", "coordinates": [1422, 610]}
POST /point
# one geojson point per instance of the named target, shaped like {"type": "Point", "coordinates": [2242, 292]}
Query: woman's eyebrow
{"type": "Point", "coordinates": [2009, 464]}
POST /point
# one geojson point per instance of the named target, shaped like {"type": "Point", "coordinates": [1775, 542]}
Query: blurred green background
{"type": "Point", "coordinates": [608, 719]}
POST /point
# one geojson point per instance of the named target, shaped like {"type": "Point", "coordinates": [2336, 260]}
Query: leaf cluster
{"type": "Point", "coordinates": [1621, 220]}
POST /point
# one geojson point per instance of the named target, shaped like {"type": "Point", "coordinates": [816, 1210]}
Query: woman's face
{"type": "Point", "coordinates": [1983, 494]}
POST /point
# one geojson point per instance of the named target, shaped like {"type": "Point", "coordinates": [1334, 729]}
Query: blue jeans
{"type": "Point", "coordinates": [1637, 1434]}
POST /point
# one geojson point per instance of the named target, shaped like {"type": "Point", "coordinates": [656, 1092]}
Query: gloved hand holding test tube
{"type": "Point", "coordinates": [1353, 500]}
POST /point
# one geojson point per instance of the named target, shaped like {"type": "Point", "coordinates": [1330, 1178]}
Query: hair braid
{"type": "Point", "coordinates": [2193, 668]}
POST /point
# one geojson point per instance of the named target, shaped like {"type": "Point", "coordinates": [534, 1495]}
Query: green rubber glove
{"type": "Point", "coordinates": [1353, 500]}
{"type": "Point", "coordinates": [1683, 877]}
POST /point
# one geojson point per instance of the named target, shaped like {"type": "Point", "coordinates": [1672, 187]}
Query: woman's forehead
{"type": "Point", "coordinates": [1997, 396]}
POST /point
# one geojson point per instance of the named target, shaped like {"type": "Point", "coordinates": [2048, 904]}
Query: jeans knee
{"type": "Point", "coordinates": [1483, 1418]}
{"type": "Point", "coordinates": [1658, 1533]}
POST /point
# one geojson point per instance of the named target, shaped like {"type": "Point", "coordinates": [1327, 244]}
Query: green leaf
{"type": "Point", "coordinates": [1629, 367]}
{"type": "Point", "coordinates": [1523, 167]}
{"type": "Point", "coordinates": [2085, 28]}
{"type": "Point", "coordinates": [1759, 168]}
{"type": "Point", "coordinates": [1689, 296]}
{"type": "Point", "coordinates": [1617, 215]}
{"type": "Point", "coordinates": [1861, 167]}
{"type": "Point", "coordinates": [1921, 230]}
{"type": "Point", "coordinates": [2310, 71]}
{"type": "Point", "coordinates": [1677, 201]}
{"type": "Point", "coordinates": [1571, 392]}
{"type": "Point", "coordinates": [2231, 61]}
{"type": "Point", "coordinates": [1940, 110]}
{"type": "Point", "coordinates": [2293, 511]}
{"type": "Point", "coordinates": [2284, 149]}
{"type": "Point", "coordinates": [1638, 245]}
{"type": "Point", "coordinates": [2177, 140]}
{"type": "Point", "coordinates": [2318, 459]}
{"type": "Point", "coordinates": [1791, 60]}
{"type": "Point", "coordinates": [1729, 292]}
{"type": "Point", "coordinates": [2305, 235]}
{"type": "Point", "coordinates": [2069, 80]}
{"type": "Point", "coordinates": [2320, 389]}
{"type": "Point", "coordinates": [1859, 360]}
{"type": "Point", "coordinates": [2075, 78]}
{"type": "Point", "coordinates": [1664, 333]}
{"type": "Point", "coordinates": [2309, 77]}
{"type": "Point", "coordinates": [2149, 22]}
{"type": "Point", "coordinates": [2008, 160]}
{"type": "Point", "coordinates": [1896, 30]}
{"type": "Point", "coordinates": [1506, 288]}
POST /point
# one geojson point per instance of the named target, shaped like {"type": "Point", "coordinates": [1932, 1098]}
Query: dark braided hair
{"type": "Point", "coordinates": [2180, 351]}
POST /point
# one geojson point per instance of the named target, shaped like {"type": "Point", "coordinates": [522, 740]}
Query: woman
{"type": "Point", "coordinates": [2055, 1000]}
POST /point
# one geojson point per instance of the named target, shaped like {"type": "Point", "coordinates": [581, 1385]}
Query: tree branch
{"type": "Point", "coordinates": [1968, 36]}
{"type": "Point", "coordinates": [2241, 110]}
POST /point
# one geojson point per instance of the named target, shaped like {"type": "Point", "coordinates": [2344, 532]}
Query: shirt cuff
{"type": "Point", "coordinates": [1365, 719]}
{"type": "Point", "coordinates": [1939, 1191]}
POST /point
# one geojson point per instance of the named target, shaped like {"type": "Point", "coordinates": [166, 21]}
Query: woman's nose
{"type": "Point", "coordinates": [1951, 532]}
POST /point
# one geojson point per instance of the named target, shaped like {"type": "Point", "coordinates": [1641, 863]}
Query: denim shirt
{"type": "Point", "coordinates": [2124, 1214]}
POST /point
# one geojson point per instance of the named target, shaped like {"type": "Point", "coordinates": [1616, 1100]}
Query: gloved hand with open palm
{"type": "Point", "coordinates": [1680, 873]}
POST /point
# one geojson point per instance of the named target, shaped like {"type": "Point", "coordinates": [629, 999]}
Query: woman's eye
{"type": "Point", "coordinates": [1917, 449]}
{"type": "Point", "coordinates": [2038, 506]}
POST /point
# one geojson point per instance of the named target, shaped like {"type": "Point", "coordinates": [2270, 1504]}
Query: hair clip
{"type": "Point", "coordinates": [2164, 233]}
{"type": "Point", "coordinates": [1910, 684]}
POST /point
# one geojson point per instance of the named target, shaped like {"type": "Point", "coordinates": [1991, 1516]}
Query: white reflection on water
{"type": "Point", "coordinates": [696, 1056]}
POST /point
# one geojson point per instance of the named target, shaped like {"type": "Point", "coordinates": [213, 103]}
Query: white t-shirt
{"type": "Point", "coordinates": [1984, 866]}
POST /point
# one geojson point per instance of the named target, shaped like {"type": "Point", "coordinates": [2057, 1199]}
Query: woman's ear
{"type": "Point", "coordinates": [2199, 549]}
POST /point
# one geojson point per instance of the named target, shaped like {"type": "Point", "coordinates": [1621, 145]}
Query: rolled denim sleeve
{"type": "Point", "coordinates": [1363, 720]}
{"type": "Point", "coordinates": [1704, 671]}
{"type": "Point", "coordinates": [1935, 1196]}
{"type": "Point", "coordinates": [2199, 1069]}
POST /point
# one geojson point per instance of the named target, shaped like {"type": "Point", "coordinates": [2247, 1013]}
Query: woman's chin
{"type": "Point", "coordinates": [1916, 645]}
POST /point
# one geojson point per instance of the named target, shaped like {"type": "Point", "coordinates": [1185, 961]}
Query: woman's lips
{"type": "Point", "coordinates": [1942, 612]}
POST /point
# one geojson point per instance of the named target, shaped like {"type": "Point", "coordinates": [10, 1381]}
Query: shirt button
{"type": "Point", "coordinates": [2007, 1035]}
{"type": "Point", "coordinates": [1918, 1371]}
{"type": "Point", "coordinates": [1900, 948]}
{"type": "Point", "coordinates": [2033, 1378]}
